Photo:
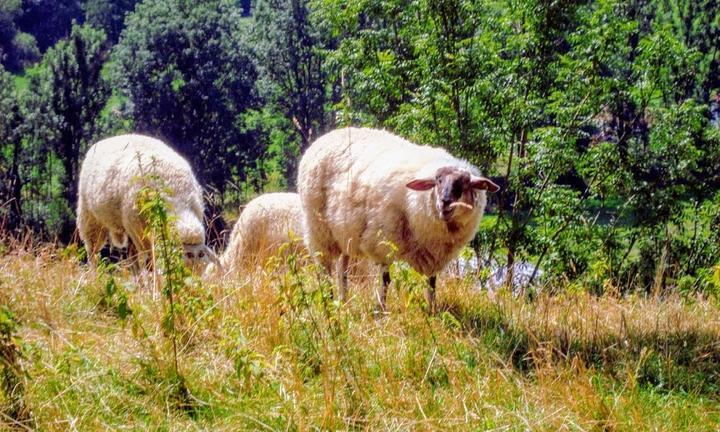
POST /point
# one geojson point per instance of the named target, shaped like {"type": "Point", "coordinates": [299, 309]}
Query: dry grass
{"type": "Point", "coordinates": [272, 351]}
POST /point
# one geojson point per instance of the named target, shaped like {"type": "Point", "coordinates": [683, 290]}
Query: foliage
{"type": "Point", "coordinates": [289, 47]}
{"type": "Point", "coordinates": [11, 372]}
{"type": "Point", "coordinates": [65, 99]}
{"type": "Point", "coordinates": [186, 70]}
{"type": "Point", "coordinates": [600, 119]}
{"type": "Point", "coordinates": [275, 170]}
{"type": "Point", "coordinates": [17, 49]}
{"type": "Point", "coordinates": [591, 117]}
{"type": "Point", "coordinates": [113, 297]}
{"type": "Point", "coordinates": [10, 132]}
{"type": "Point", "coordinates": [697, 24]}
{"type": "Point", "coordinates": [49, 20]}
{"type": "Point", "coordinates": [185, 303]}
{"type": "Point", "coordinates": [109, 15]}
{"type": "Point", "coordinates": [282, 353]}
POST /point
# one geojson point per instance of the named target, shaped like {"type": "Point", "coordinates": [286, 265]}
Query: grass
{"type": "Point", "coordinates": [273, 351]}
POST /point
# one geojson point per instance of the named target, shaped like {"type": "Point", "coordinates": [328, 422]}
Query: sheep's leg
{"type": "Point", "coordinates": [92, 233]}
{"type": "Point", "coordinates": [326, 263]}
{"type": "Point", "coordinates": [132, 256]}
{"type": "Point", "coordinates": [140, 253]}
{"type": "Point", "coordinates": [430, 294]}
{"type": "Point", "coordinates": [382, 295]}
{"type": "Point", "coordinates": [342, 267]}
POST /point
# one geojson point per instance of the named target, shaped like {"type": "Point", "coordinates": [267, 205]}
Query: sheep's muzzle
{"type": "Point", "coordinates": [461, 204]}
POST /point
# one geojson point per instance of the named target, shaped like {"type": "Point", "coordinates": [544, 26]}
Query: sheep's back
{"type": "Point", "coordinates": [112, 175]}
{"type": "Point", "coordinates": [348, 158]}
{"type": "Point", "coordinates": [266, 223]}
{"type": "Point", "coordinates": [354, 178]}
{"type": "Point", "coordinates": [272, 220]}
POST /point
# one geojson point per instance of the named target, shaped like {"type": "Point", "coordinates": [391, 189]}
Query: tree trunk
{"type": "Point", "coordinates": [15, 205]}
{"type": "Point", "coordinates": [15, 219]}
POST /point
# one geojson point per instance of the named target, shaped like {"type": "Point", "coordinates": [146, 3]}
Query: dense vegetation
{"type": "Point", "coordinates": [89, 350]}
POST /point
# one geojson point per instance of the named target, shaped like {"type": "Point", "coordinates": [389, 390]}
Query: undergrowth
{"type": "Point", "coordinates": [275, 350]}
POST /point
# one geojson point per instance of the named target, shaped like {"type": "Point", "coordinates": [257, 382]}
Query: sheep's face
{"type": "Point", "coordinates": [198, 256]}
{"type": "Point", "coordinates": [454, 189]}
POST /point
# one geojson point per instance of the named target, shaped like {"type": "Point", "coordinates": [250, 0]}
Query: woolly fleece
{"type": "Point", "coordinates": [352, 185]}
{"type": "Point", "coordinates": [110, 179]}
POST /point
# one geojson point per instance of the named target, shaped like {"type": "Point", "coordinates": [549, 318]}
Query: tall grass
{"type": "Point", "coordinates": [15, 411]}
{"type": "Point", "coordinates": [272, 350]}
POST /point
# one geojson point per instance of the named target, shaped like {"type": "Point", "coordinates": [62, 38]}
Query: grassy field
{"type": "Point", "coordinates": [88, 349]}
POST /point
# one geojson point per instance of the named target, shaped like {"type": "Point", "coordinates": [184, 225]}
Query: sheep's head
{"type": "Point", "coordinates": [199, 255]}
{"type": "Point", "coordinates": [455, 190]}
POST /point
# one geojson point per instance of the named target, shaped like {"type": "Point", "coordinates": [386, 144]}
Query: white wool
{"type": "Point", "coordinates": [352, 184]}
{"type": "Point", "coordinates": [111, 177]}
{"type": "Point", "coordinates": [266, 223]}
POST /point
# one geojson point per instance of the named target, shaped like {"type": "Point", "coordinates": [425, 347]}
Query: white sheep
{"type": "Point", "coordinates": [265, 223]}
{"type": "Point", "coordinates": [111, 178]}
{"type": "Point", "coordinates": [369, 193]}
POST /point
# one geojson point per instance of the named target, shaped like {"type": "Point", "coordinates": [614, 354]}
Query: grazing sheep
{"type": "Point", "coordinates": [110, 181]}
{"type": "Point", "coordinates": [266, 223]}
{"type": "Point", "coordinates": [366, 192]}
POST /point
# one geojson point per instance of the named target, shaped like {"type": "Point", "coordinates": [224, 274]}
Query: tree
{"type": "Point", "coordinates": [584, 108]}
{"type": "Point", "coordinates": [697, 25]}
{"type": "Point", "coordinates": [468, 77]}
{"type": "Point", "coordinates": [49, 20]}
{"type": "Point", "coordinates": [66, 99]}
{"type": "Point", "coordinates": [187, 72]}
{"type": "Point", "coordinates": [289, 50]}
{"type": "Point", "coordinates": [374, 56]}
{"type": "Point", "coordinates": [109, 15]}
{"type": "Point", "coordinates": [17, 49]}
{"type": "Point", "coordinates": [10, 154]}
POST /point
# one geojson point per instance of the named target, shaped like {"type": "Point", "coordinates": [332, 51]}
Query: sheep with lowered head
{"type": "Point", "coordinates": [265, 223]}
{"type": "Point", "coordinates": [369, 193]}
{"type": "Point", "coordinates": [110, 182]}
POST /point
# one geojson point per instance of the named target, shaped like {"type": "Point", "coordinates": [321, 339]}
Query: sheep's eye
{"type": "Point", "coordinates": [189, 255]}
{"type": "Point", "coordinates": [457, 191]}
{"type": "Point", "coordinates": [201, 254]}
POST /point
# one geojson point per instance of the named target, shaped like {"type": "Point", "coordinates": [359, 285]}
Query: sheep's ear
{"type": "Point", "coordinates": [483, 183]}
{"type": "Point", "coordinates": [421, 184]}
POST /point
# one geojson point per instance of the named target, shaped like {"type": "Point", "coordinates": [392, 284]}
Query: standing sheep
{"type": "Point", "coordinates": [364, 191]}
{"type": "Point", "coordinates": [109, 186]}
{"type": "Point", "coordinates": [266, 223]}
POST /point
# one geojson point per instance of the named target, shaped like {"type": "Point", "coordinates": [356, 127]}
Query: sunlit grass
{"type": "Point", "coordinates": [272, 351]}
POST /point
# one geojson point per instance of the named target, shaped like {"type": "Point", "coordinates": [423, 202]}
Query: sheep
{"type": "Point", "coordinates": [369, 193]}
{"type": "Point", "coordinates": [265, 223]}
{"type": "Point", "coordinates": [109, 184]}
